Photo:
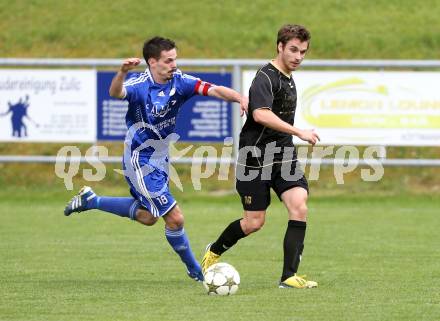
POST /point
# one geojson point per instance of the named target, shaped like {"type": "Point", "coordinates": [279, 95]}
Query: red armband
{"type": "Point", "coordinates": [202, 87]}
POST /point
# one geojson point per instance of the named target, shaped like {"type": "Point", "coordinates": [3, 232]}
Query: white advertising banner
{"type": "Point", "coordinates": [48, 105]}
{"type": "Point", "coordinates": [367, 108]}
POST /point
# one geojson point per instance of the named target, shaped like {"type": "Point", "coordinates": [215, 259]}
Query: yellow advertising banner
{"type": "Point", "coordinates": [368, 108]}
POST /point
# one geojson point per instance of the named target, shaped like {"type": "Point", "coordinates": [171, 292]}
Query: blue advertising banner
{"type": "Point", "coordinates": [201, 119]}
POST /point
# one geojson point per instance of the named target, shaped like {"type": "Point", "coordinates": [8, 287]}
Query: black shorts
{"type": "Point", "coordinates": [253, 184]}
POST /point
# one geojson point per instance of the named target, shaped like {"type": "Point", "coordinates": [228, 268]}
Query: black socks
{"type": "Point", "coordinates": [228, 238]}
{"type": "Point", "coordinates": [293, 244]}
{"type": "Point", "coordinates": [293, 247]}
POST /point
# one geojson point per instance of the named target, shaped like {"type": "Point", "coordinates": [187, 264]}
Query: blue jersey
{"type": "Point", "coordinates": [153, 107]}
{"type": "Point", "coordinates": [151, 118]}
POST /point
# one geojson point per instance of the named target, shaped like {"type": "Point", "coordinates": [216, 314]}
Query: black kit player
{"type": "Point", "coordinates": [268, 158]}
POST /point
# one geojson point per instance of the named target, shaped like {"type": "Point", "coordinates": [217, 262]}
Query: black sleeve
{"type": "Point", "coordinates": [261, 92]}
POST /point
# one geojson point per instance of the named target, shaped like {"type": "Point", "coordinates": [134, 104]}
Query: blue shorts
{"type": "Point", "coordinates": [149, 183]}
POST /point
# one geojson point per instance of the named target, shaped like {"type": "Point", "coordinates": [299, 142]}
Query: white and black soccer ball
{"type": "Point", "coordinates": [221, 279]}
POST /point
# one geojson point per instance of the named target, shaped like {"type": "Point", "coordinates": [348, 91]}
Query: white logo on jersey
{"type": "Point", "coordinates": [161, 94]}
{"type": "Point", "coordinates": [172, 91]}
{"type": "Point", "coordinates": [160, 110]}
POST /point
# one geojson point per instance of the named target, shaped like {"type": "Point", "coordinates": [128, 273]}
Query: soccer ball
{"type": "Point", "coordinates": [221, 279]}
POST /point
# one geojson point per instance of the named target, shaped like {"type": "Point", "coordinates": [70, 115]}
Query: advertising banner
{"type": "Point", "coordinates": [367, 108]}
{"type": "Point", "coordinates": [47, 105]}
{"type": "Point", "coordinates": [201, 119]}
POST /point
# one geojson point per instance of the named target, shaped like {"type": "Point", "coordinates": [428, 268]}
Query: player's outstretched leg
{"type": "Point", "coordinates": [86, 199]}
{"type": "Point", "coordinates": [83, 201]}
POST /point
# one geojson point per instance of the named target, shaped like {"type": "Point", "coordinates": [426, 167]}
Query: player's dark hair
{"type": "Point", "coordinates": [289, 32]}
{"type": "Point", "coordinates": [154, 46]}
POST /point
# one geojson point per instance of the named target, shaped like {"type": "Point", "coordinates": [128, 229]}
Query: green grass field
{"type": "Point", "coordinates": [373, 247]}
{"type": "Point", "coordinates": [375, 259]}
{"type": "Point", "coordinates": [379, 29]}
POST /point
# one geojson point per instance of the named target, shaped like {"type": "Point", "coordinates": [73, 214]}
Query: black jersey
{"type": "Point", "coordinates": [274, 90]}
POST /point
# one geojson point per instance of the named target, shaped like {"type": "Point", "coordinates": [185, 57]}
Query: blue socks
{"type": "Point", "coordinates": [127, 207]}
{"type": "Point", "coordinates": [180, 243]}
{"type": "Point", "coordinates": [121, 206]}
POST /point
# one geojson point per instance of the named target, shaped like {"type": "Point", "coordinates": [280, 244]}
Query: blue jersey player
{"type": "Point", "coordinates": [154, 98]}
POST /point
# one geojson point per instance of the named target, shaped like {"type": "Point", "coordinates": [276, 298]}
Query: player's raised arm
{"type": "Point", "coordinates": [267, 118]}
{"type": "Point", "coordinates": [229, 94]}
{"type": "Point", "coordinates": [116, 89]}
